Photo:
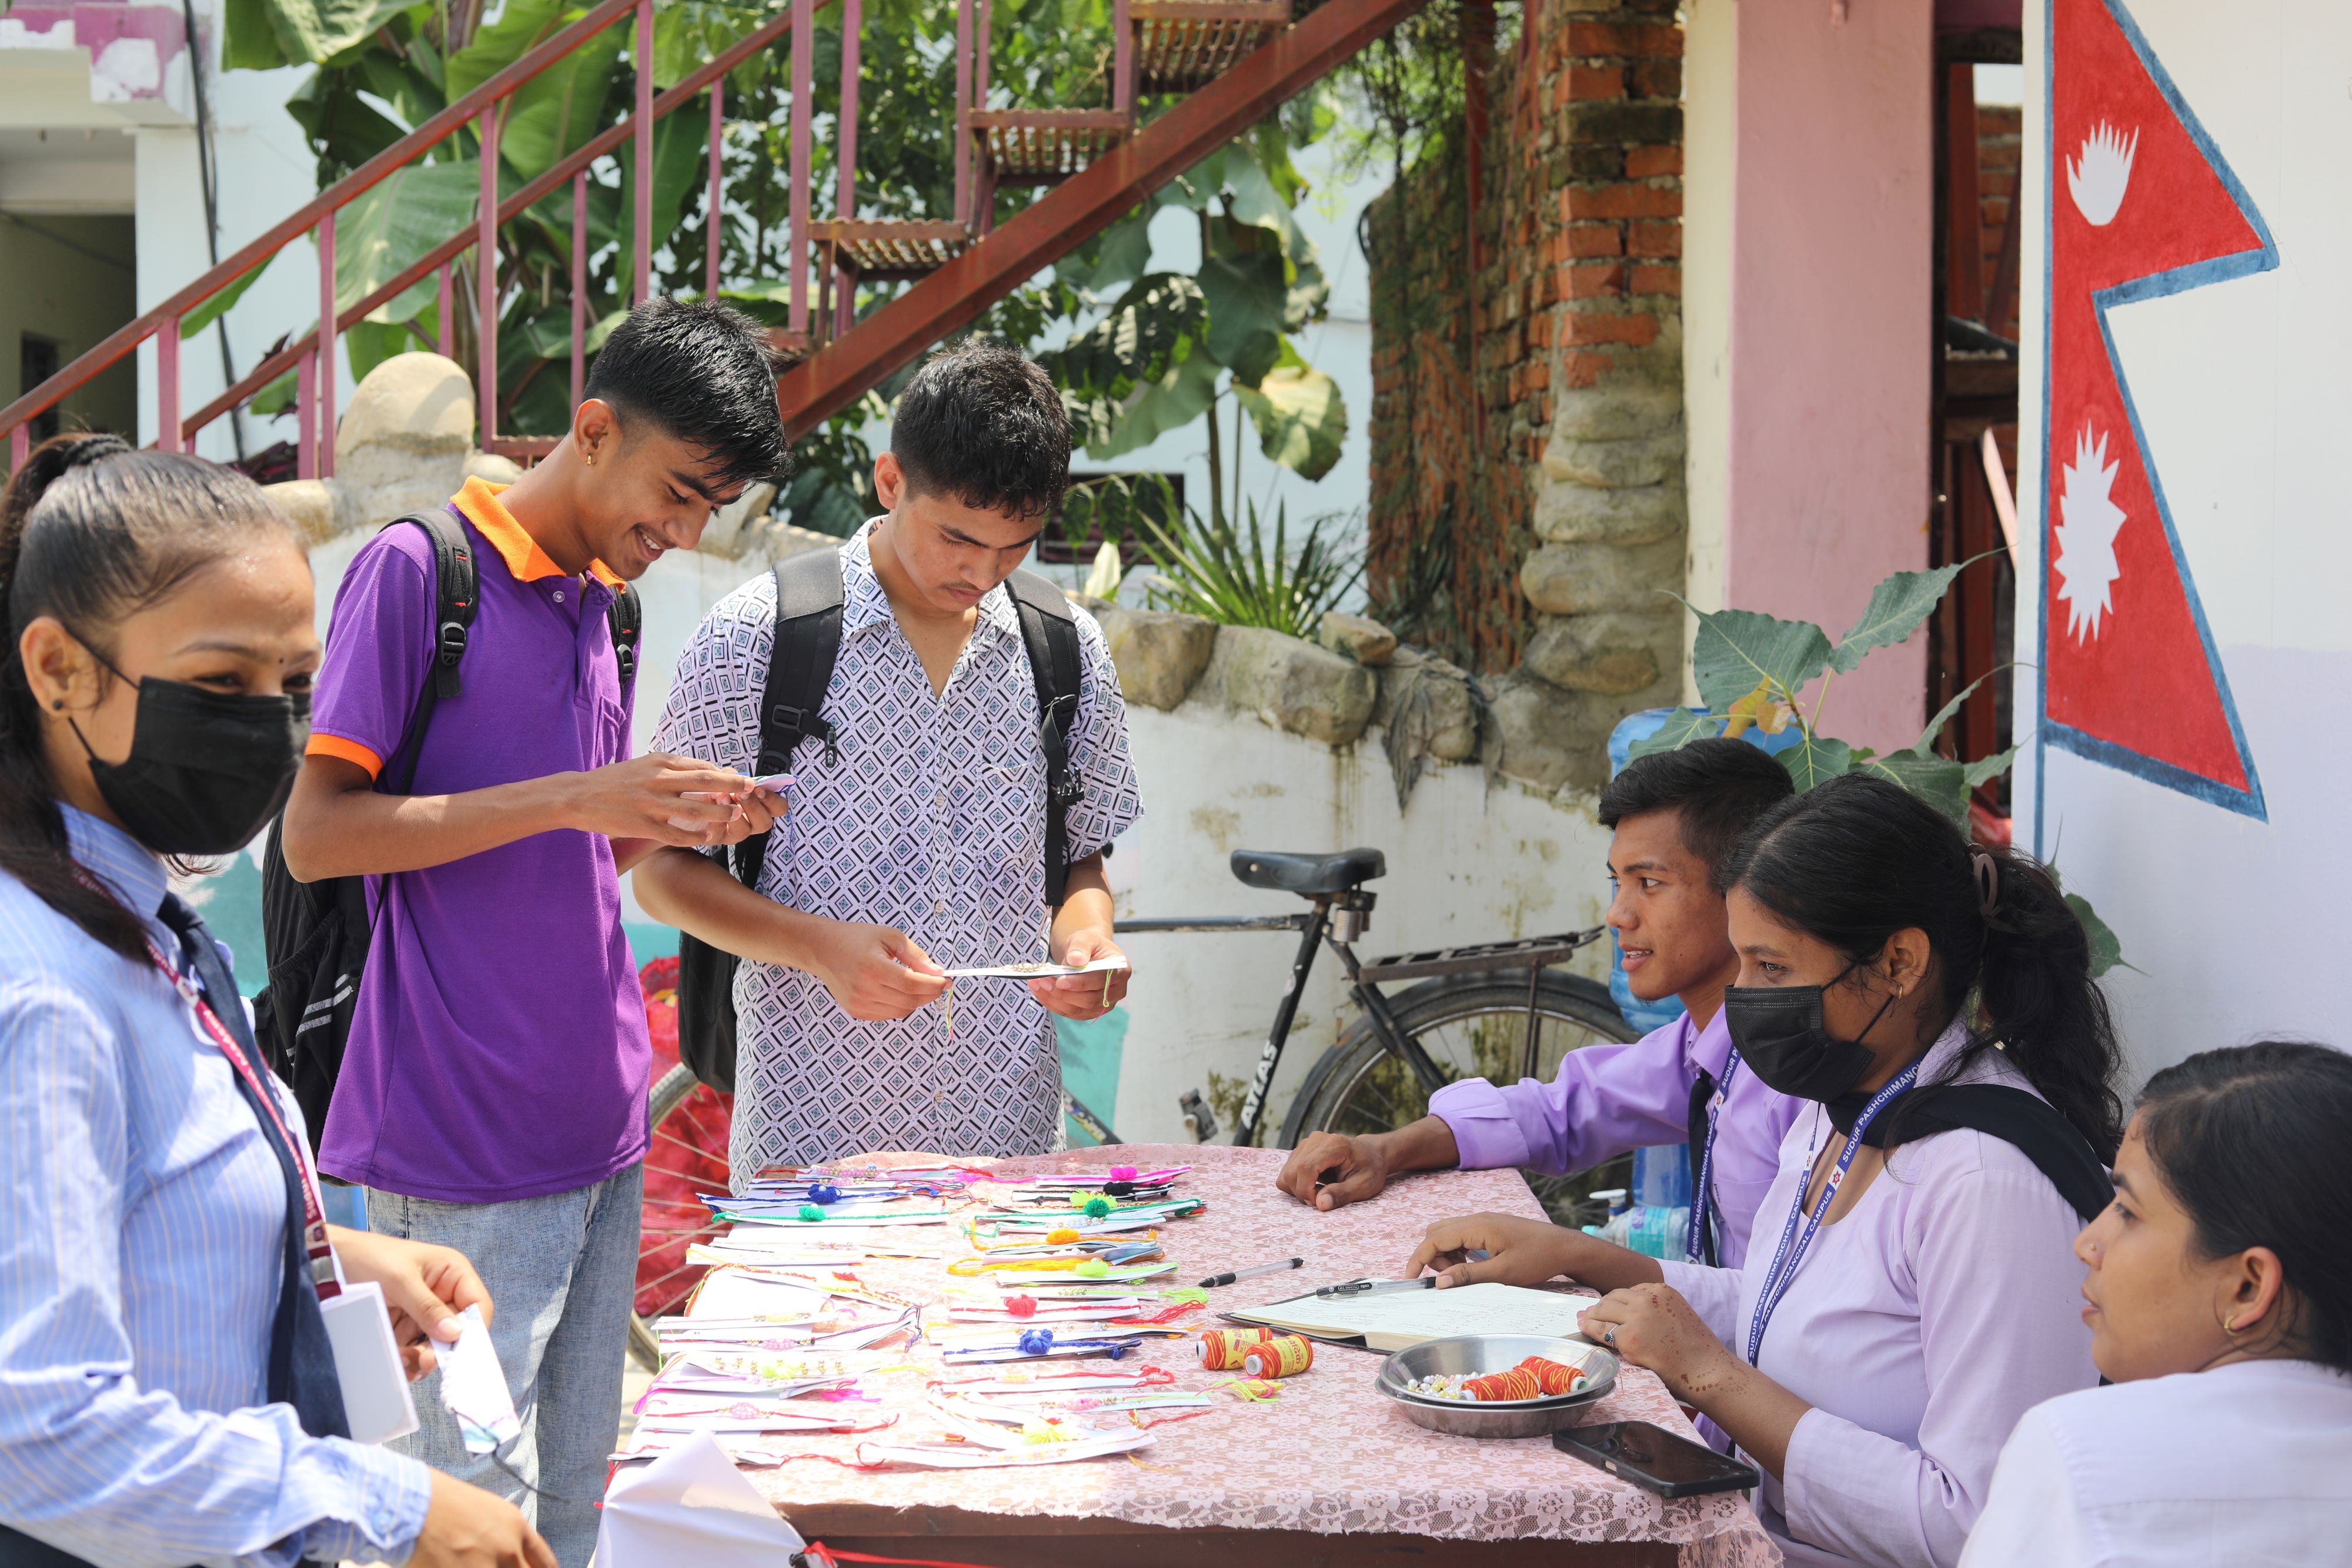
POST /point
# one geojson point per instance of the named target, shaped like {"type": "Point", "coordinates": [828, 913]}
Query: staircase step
{"type": "Point", "coordinates": [887, 248]}
{"type": "Point", "coordinates": [1046, 146]}
{"type": "Point", "coordinates": [1185, 43]}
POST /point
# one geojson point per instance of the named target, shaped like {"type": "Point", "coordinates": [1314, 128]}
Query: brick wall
{"type": "Point", "coordinates": [1553, 501]}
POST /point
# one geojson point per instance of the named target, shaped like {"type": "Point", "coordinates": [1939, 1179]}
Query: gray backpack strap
{"type": "Point", "coordinates": [1049, 628]}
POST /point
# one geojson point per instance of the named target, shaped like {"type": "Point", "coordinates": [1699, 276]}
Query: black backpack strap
{"type": "Point", "coordinates": [456, 590]}
{"type": "Point", "coordinates": [1050, 629]}
{"type": "Point", "coordinates": [2026, 1122]}
{"type": "Point", "coordinates": [625, 617]}
{"type": "Point", "coordinates": [799, 667]}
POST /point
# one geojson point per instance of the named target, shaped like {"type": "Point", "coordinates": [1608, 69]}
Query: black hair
{"type": "Point", "coordinates": [1717, 788]}
{"type": "Point", "coordinates": [91, 533]}
{"type": "Point", "coordinates": [983, 422]}
{"type": "Point", "coordinates": [704, 372]}
{"type": "Point", "coordinates": [1854, 860]}
{"type": "Point", "coordinates": [2252, 1143]}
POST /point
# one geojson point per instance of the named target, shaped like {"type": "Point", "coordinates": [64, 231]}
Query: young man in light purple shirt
{"type": "Point", "coordinates": [492, 1094]}
{"type": "Point", "coordinates": [1676, 816]}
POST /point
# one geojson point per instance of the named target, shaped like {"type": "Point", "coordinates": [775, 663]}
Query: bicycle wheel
{"type": "Point", "coordinates": [688, 1155]}
{"type": "Point", "coordinates": [1472, 1025]}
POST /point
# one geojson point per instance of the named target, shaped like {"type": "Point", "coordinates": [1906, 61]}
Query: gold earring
{"type": "Point", "coordinates": [591, 456]}
{"type": "Point", "coordinates": [2231, 1326]}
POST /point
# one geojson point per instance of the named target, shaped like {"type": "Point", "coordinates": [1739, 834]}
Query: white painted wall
{"type": "Point", "coordinates": [1710, 146]}
{"type": "Point", "coordinates": [1466, 864]}
{"type": "Point", "coordinates": [2234, 926]}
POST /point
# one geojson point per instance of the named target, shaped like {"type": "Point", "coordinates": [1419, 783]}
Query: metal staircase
{"type": "Point", "coordinates": [1232, 61]}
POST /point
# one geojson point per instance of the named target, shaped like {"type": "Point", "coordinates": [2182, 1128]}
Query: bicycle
{"type": "Point", "coordinates": [1488, 1010]}
{"type": "Point", "coordinates": [1469, 1016]}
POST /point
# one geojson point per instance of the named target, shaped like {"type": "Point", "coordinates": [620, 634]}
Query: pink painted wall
{"type": "Point", "coordinates": [1832, 233]}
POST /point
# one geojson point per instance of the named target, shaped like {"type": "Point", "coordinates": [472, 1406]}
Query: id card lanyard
{"type": "Point", "coordinates": [1703, 1200]}
{"type": "Point", "coordinates": [315, 1245]}
{"type": "Point", "coordinates": [1785, 1258]}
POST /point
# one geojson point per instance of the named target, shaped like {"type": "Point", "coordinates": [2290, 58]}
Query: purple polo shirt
{"type": "Point", "coordinates": [499, 1048]}
{"type": "Point", "coordinates": [1608, 1099]}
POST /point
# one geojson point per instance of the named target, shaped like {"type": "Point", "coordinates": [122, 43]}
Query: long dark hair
{"type": "Point", "coordinates": [2253, 1141]}
{"type": "Point", "coordinates": [1855, 859]}
{"type": "Point", "coordinates": [91, 532]}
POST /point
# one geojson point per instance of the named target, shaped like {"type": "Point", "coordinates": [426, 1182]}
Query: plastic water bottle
{"type": "Point", "coordinates": [1659, 1232]}
{"type": "Point", "coordinates": [1619, 1224]}
{"type": "Point", "coordinates": [1662, 1176]}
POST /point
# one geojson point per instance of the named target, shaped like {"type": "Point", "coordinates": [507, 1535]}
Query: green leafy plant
{"type": "Point", "coordinates": [1223, 574]}
{"type": "Point", "coordinates": [1751, 669]}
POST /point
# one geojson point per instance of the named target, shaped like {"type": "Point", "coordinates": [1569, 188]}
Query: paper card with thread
{"type": "Point", "coordinates": [1397, 1320]}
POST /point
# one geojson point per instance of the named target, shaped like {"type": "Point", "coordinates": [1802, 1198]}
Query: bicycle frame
{"type": "Point", "coordinates": [1315, 926]}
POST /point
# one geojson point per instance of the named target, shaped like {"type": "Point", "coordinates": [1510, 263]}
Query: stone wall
{"type": "Point", "coordinates": [1551, 474]}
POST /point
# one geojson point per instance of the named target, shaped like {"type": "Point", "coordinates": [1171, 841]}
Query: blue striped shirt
{"type": "Point", "coordinates": [142, 1215]}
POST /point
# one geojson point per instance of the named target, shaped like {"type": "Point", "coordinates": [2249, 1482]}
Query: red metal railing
{"type": "Point", "coordinates": [962, 269]}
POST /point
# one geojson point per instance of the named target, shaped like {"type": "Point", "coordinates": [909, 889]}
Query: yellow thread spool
{"type": "Point", "coordinates": [1221, 1350]}
{"type": "Point", "coordinates": [1279, 1358]}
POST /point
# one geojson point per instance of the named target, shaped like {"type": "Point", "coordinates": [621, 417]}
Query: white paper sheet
{"type": "Point", "coordinates": [1397, 1319]}
{"type": "Point", "coordinates": [692, 1505]}
{"type": "Point", "coordinates": [474, 1387]}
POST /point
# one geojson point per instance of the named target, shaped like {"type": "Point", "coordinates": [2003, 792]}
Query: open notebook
{"type": "Point", "coordinates": [1392, 1320]}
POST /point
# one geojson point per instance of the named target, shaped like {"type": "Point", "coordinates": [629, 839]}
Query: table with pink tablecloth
{"type": "Point", "coordinates": [1331, 1458]}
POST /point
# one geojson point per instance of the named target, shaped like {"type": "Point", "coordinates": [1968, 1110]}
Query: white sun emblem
{"type": "Point", "coordinates": [2100, 174]}
{"type": "Point", "coordinates": [2088, 520]}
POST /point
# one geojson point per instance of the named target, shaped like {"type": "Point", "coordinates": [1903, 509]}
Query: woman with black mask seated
{"type": "Point", "coordinates": [2219, 1301]}
{"type": "Point", "coordinates": [168, 1391]}
{"type": "Point", "coordinates": [1909, 1292]}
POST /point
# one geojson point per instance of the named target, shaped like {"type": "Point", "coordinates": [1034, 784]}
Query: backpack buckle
{"type": "Point", "coordinates": [1067, 792]}
{"type": "Point", "coordinates": [451, 644]}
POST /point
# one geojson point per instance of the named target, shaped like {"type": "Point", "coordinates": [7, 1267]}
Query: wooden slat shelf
{"type": "Point", "coordinates": [1044, 146]}
{"type": "Point", "coordinates": [884, 248]}
{"type": "Point", "coordinates": [1185, 43]}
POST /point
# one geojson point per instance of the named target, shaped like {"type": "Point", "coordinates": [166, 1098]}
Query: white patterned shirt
{"type": "Point", "coordinates": [928, 813]}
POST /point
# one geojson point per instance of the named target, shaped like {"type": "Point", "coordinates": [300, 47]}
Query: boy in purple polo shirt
{"type": "Point", "coordinates": [492, 1095]}
{"type": "Point", "coordinates": [1674, 816]}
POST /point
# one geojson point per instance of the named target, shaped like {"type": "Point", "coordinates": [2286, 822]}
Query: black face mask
{"type": "Point", "coordinates": [1781, 1037]}
{"type": "Point", "coordinates": [205, 769]}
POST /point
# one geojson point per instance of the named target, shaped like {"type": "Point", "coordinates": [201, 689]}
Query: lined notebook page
{"type": "Point", "coordinates": [1394, 1319]}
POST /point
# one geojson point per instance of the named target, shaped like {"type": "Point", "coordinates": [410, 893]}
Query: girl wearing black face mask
{"type": "Point", "coordinates": [1910, 1291]}
{"type": "Point", "coordinates": [167, 1391]}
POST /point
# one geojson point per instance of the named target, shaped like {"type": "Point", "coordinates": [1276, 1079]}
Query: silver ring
{"type": "Point", "coordinates": [1609, 1336]}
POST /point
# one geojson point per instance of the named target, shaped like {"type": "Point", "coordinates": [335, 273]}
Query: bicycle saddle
{"type": "Point", "coordinates": [1309, 874]}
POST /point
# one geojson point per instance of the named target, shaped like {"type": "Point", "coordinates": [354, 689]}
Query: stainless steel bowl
{"type": "Point", "coordinates": [1476, 1354]}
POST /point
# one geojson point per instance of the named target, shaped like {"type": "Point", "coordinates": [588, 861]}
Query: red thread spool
{"type": "Point", "coordinates": [1551, 1378]}
{"type": "Point", "coordinates": [1278, 1357]}
{"type": "Point", "coordinates": [1519, 1383]}
{"type": "Point", "coordinates": [1221, 1350]}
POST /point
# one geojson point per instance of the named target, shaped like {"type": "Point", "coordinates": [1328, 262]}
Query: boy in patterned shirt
{"type": "Point", "coordinates": [913, 842]}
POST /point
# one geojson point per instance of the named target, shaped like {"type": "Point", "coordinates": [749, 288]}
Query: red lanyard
{"type": "Point", "coordinates": [320, 1252]}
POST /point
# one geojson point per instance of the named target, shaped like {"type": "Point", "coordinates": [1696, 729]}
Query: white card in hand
{"type": "Point", "coordinates": [376, 1405]}
{"type": "Point", "coordinates": [474, 1387]}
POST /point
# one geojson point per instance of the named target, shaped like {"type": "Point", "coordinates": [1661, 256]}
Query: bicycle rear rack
{"type": "Point", "coordinates": [1528, 953]}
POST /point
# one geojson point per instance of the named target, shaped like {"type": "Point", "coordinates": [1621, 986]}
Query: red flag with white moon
{"type": "Point", "coordinates": [2141, 204]}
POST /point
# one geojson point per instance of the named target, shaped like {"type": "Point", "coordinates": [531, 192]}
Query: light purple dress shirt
{"type": "Point", "coordinates": [1919, 1327]}
{"type": "Point", "coordinates": [1612, 1098]}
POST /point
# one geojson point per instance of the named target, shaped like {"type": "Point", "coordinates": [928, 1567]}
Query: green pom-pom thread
{"type": "Point", "coordinates": [811, 1211]}
{"type": "Point", "coordinates": [1097, 1207]}
{"type": "Point", "coordinates": [1093, 1268]}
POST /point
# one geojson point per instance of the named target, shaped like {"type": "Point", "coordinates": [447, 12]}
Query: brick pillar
{"type": "Point", "coordinates": [1597, 399]}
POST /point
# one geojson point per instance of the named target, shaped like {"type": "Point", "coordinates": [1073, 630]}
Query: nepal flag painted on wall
{"type": "Point", "coordinates": [2141, 204]}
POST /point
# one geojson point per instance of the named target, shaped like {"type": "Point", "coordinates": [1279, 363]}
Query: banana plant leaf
{"type": "Point", "coordinates": [390, 226]}
{"type": "Point", "coordinates": [259, 35]}
{"type": "Point", "coordinates": [1176, 399]}
{"type": "Point", "coordinates": [679, 147]}
{"type": "Point", "coordinates": [1300, 416]}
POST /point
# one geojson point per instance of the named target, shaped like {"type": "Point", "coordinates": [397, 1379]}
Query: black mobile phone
{"type": "Point", "coordinates": [1655, 1460]}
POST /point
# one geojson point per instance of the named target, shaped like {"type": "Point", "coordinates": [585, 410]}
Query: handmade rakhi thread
{"type": "Point", "coordinates": [1098, 1208]}
{"type": "Point", "coordinates": [1552, 1376]}
{"type": "Point", "coordinates": [823, 1192]}
{"type": "Point", "coordinates": [811, 1211]}
{"type": "Point", "coordinates": [1252, 1389]}
{"type": "Point", "coordinates": [1519, 1383]}
{"type": "Point", "coordinates": [1122, 1173]}
{"type": "Point", "coordinates": [1021, 1306]}
{"type": "Point", "coordinates": [1281, 1357]}
{"type": "Point", "coordinates": [1061, 1237]}
{"type": "Point", "coordinates": [1219, 1350]}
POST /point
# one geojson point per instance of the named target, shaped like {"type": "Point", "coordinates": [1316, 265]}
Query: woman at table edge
{"type": "Point", "coordinates": [1909, 1292]}
{"type": "Point", "coordinates": [165, 1395]}
{"type": "Point", "coordinates": [2219, 1301]}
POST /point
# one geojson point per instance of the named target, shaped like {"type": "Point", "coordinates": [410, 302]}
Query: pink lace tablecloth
{"type": "Point", "coordinates": [1330, 1455]}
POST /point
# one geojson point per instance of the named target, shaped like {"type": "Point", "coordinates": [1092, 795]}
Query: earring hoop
{"type": "Point", "coordinates": [2231, 1327]}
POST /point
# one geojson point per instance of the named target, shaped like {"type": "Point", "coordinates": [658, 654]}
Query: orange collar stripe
{"type": "Point", "coordinates": [480, 501]}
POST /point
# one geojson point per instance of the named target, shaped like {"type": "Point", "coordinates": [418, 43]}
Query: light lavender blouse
{"type": "Point", "coordinates": [1919, 1327]}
